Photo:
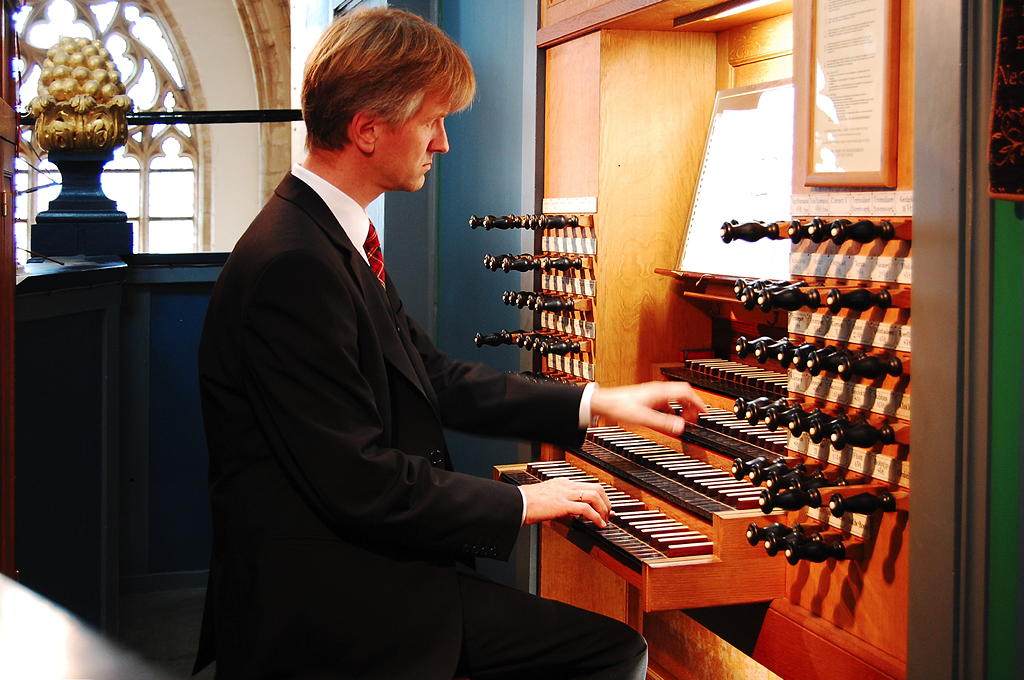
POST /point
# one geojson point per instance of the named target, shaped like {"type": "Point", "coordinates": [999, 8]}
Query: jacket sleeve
{"type": "Point", "coordinates": [303, 347]}
{"type": "Point", "coordinates": [475, 398]}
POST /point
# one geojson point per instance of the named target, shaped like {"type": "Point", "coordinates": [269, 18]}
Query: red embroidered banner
{"type": "Point", "coordinates": [1006, 146]}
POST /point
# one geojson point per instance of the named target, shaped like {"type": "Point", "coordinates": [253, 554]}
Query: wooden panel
{"type": "Point", "coordinates": [657, 90]}
{"type": "Point", "coordinates": [905, 134]}
{"type": "Point", "coordinates": [795, 644]}
{"type": "Point", "coordinates": [569, 575]}
{"type": "Point", "coordinates": [867, 597]}
{"type": "Point", "coordinates": [569, 19]}
{"type": "Point", "coordinates": [682, 648]}
{"type": "Point", "coordinates": [760, 41]}
{"type": "Point", "coordinates": [762, 71]}
{"type": "Point", "coordinates": [754, 53]}
{"type": "Point", "coordinates": [571, 119]}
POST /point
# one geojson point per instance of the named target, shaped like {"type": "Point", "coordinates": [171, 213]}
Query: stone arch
{"type": "Point", "coordinates": [266, 25]}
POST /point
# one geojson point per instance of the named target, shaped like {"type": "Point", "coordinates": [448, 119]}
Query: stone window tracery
{"type": "Point", "coordinates": [154, 178]}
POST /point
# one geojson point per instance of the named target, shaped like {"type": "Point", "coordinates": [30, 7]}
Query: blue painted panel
{"type": "Point", "coordinates": [179, 516]}
{"type": "Point", "coordinates": [481, 174]}
{"type": "Point", "coordinates": [59, 395]}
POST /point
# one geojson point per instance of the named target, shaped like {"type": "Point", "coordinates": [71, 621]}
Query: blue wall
{"type": "Point", "coordinates": [484, 173]}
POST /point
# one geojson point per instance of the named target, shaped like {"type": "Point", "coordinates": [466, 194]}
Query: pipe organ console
{"type": "Point", "coordinates": [784, 508]}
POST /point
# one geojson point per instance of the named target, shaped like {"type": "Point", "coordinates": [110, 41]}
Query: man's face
{"type": "Point", "coordinates": [406, 152]}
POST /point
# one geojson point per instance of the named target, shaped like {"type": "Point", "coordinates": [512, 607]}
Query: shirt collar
{"type": "Point", "coordinates": [350, 215]}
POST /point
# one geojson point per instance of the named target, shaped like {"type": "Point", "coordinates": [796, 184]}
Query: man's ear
{"type": "Point", "coordinates": [363, 130]}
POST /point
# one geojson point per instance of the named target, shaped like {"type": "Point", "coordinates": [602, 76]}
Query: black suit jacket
{"type": "Point", "coordinates": [337, 516]}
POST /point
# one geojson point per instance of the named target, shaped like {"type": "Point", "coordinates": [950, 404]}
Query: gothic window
{"type": "Point", "coordinates": [154, 177]}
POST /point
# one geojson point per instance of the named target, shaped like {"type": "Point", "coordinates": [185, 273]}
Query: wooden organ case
{"type": "Point", "coordinates": [771, 540]}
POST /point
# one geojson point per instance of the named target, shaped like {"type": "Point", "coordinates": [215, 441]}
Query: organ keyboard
{"type": "Point", "coordinates": [678, 517]}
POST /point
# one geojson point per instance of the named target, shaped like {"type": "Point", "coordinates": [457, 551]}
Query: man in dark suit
{"type": "Point", "coordinates": [338, 519]}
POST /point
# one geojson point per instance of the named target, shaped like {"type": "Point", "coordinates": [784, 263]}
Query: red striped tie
{"type": "Point", "coordinates": [373, 253]}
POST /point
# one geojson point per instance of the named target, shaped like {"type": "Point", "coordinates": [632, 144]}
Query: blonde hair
{"type": "Point", "coordinates": [381, 60]}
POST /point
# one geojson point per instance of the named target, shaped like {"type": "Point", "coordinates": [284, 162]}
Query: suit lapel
{"type": "Point", "coordinates": [394, 347]}
{"type": "Point", "coordinates": [410, 350]}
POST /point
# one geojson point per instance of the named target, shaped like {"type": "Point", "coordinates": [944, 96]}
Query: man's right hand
{"type": "Point", "coordinates": [563, 498]}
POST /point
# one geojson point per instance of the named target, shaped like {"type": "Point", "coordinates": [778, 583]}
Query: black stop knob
{"type": "Point", "coordinates": [859, 300]}
{"type": "Point", "coordinates": [861, 434]}
{"type": "Point", "coordinates": [861, 504]}
{"type": "Point", "coordinates": [814, 551]}
{"type": "Point", "coordinates": [863, 231]}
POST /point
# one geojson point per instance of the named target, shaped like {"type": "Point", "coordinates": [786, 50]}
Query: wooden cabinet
{"type": "Point", "coordinates": [629, 92]}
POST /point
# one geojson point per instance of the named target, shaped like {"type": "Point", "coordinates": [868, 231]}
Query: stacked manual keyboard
{"type": "Point", "coordinates": [658, 534]}
{"type": "Point", "coordinates": [722, 431]}
{"type": "Point", "coordinates": [692, 484]}
{"type": "Point", "coordinates": [677, 529]}
{"type": "Point", "coordinates": [729, 377]}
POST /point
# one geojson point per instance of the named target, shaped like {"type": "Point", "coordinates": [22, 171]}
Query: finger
{"type": "Point", "coordinates": [688, 398]}
{"type": "Point", "coordinates": [605, 502]}
{"type": "Point", "coordinates": [594, 496]}
{"type": "Point", "coordinates": [597, 499]}
{"type": "Point", "coordinates": [584, 509]}
{"type": "Point", "coordinates": [662, 422]}
{"type": "Point", "coordinates": [592, 490]}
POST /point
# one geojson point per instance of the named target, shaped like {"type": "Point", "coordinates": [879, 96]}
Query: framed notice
{"type": "Point", "coordinates": [746, 175]}
{"type": "Point", "coordinates": [850, 95]}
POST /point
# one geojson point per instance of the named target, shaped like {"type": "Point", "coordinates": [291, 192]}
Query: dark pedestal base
{"type": "Point", "coordinates": [82, 238]}
{"type": "Point", "coordinates": [81, 220]}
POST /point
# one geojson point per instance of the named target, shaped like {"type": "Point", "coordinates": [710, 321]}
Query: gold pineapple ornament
{"type": "Point", "coordinates": [81, 103]}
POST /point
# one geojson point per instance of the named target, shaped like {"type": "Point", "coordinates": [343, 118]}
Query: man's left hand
{"type": "Point", "coordinates": [647, 404]}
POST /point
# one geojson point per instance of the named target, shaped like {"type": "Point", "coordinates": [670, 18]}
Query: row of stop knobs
{"type": "Point", "coordinates": [815, 230]}
{"type": "Point", "coordinates": [819, 426]}
{"type": "Point", "coordinates": [540, 302]}
{"type": "Point", "coordinates": [543, 343]}
{"type": "Point", "coordinates": [793, 487]}
{"type": "Point", "coordinates": [793, 295]}
{"type": "Point", "coordinates": [808, 543]}
{"type": "Point", "coordinates": [526, 262]}
{"type": "Point", "coordinates": [489, 222]}
{"type": "Point", "coordinates": [816, 359]}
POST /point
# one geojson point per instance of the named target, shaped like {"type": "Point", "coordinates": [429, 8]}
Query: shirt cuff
{"type": "Point", "coordinates": [522, 493]}
{"type": "Point", "coordinates": [588, 393]}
